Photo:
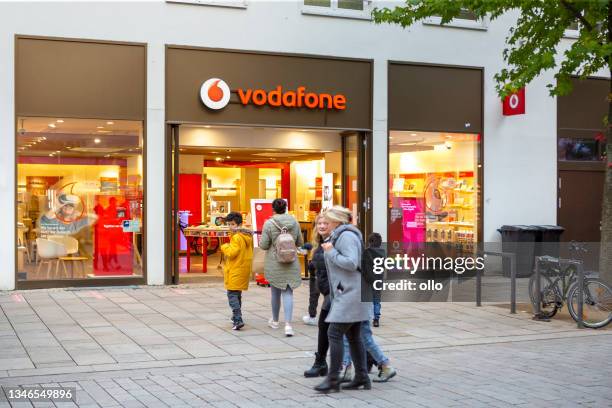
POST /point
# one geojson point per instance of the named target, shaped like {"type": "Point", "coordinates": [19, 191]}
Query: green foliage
{"type": "Point", "coordinates": [531, 45]}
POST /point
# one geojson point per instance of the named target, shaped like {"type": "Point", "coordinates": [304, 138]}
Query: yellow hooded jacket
{"type": "Point", "coordinates": [238, 255]}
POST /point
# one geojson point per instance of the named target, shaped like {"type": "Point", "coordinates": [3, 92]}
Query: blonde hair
{"type": "Point", "coordinates": [316, 237]}
{"type": "Point", "coordinates": [337, 213]}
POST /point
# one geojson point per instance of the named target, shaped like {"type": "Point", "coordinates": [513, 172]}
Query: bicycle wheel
{"type": "Point", "coordinates": [550, 298]}
{"type": "Point", "coordinates": [213, 246]}
{"type": "Point", "coordinates": [596, 303]}
{"type": "Point", "coordinates": [196, 245]}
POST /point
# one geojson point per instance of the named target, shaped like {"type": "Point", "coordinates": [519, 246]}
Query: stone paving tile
{"type": "Point", "coordinates": [447, 354]}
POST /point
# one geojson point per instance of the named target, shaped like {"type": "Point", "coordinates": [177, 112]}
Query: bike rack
{"type": "Point", "coordinates": [579, 267]}
{"type": "Point", "coordinates": [512, 257]}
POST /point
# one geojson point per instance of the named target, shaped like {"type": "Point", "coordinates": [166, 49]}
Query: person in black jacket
{"type": "Point", "coordinates": [317, 266]}
{"type": "Point", "coordinates": [373, 251]}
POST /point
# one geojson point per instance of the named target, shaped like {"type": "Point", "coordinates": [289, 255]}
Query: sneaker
{"type": "Point", "coordinates": [310, 321]}
{"type": "Point", "coordinates": [288, 330]}
{"type": "Point", "coordinates": [385, 374]}
{"type": "Point", "coordinates": [272, 324]}
{"type": "Point", "coordinates": [375, 322]}
{"type": "Point", "coordinates": [238, 325]}
{"type": "Point", "coordinates": [346, 374]}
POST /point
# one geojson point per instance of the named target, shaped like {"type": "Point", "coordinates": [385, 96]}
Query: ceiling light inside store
{"type": "Point", "coordinates": [413, 134]}
{"type": "Point", "coordinates": [218, 159]}
{"type": "Point", "coordinates": [43, 138]}
{"type": "Point", "coordinates": [96, 140]}
{"type": "Point", "coordinates": [60, 121]}
{"type": "Point", "coordinates": [107, 155]}
{"type": "Point", "coordinates": [52, 125]}
{"type": "Point", "coordinates": [99, 127]}
{"type": "Point", "coordinates": [227, 157]}
{"type": "Point", "coordinates": [110, 123]}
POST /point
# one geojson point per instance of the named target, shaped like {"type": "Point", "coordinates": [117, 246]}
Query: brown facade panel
{"type": "Point", "coordinates": [188, 68]}
{"type": "Point", "coordinates": [84, 79]}
{"type": "Point", "coordinates": [584, 108]}
{"type": "Point", "coordinates": [435, 98]}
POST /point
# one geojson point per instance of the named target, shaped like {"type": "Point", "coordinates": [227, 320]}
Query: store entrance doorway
{"type": "Point", "coordinates": [220, 169]}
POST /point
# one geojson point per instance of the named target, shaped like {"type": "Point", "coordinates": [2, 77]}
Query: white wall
{"type": "Point", "coordinates": [516, 188]}
{"type": "Point", "coordinates": [7, 157]}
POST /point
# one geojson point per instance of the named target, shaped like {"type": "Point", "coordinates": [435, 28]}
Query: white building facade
{"type": "Point", "coordinates": [519, 153]}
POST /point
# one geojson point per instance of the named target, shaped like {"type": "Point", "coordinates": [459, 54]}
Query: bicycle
{"type": "Point", "coordinates": [597, 295]}
{"type": "Point", "coordinates": [197, 245]}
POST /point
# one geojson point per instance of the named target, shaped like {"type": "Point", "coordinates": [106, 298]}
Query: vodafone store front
{"type": "Point", "coordinates": [244, 128]}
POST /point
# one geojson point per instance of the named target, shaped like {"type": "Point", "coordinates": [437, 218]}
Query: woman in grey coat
{"type": "Point", "coordinates": [343, 260]}
{"type": "Point", "coordinates": [283, 277]}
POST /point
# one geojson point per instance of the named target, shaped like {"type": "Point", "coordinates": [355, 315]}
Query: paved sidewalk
{"type": "Point", "coordinates": [172, 346]}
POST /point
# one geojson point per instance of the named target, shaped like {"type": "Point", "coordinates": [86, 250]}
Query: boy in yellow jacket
{"type": "Point", "coordinates": [238, 255]}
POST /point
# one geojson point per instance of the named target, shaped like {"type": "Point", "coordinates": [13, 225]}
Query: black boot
{"type": "Point", "coordinates": [329, 384]}
{"type": "Point", "coordinates": [356, 384]}
{"type": "Point", "coordinates": [319, 368]}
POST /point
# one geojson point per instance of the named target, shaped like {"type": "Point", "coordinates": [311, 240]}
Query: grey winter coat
{"type": "Point", "coordinates": [343, 262]}
{"type": "Point", "coordinates": [281, 274]}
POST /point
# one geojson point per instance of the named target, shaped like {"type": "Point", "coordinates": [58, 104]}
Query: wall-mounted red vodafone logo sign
{"type": "Point", "coordinates": [215, 94]}
{"type": "Point", "coordinates": [514, 104]}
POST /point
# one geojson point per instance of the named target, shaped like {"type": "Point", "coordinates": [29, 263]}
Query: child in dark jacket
{"type": "Point", "coordinates": [373, 251]}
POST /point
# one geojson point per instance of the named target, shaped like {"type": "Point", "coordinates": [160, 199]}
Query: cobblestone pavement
{"type": "Point", "coordinates": [172, 346]}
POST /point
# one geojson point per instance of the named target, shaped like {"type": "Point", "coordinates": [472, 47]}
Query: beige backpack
{"type": "Point", "coordinates": [284, 246]}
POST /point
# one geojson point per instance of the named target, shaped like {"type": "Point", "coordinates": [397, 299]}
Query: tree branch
{"type": "Point", "coordinates": [577, 14]}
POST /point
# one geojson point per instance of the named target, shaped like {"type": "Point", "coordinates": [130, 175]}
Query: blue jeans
{"type": "Point", "coordinates": [376, 304]}
{"type": "Point", "coordinates": [235, 302]}
{"type": "Point", "coordinates": [370, 345]}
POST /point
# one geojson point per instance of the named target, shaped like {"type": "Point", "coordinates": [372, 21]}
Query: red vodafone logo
{"type": "Point", "coordinates": [514, 104]}
{"type": "Point", "coordinates": [215, 93]}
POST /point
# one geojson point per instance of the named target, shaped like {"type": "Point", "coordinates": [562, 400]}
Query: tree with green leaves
{"type": "Point", "coordinates": [532, 46]}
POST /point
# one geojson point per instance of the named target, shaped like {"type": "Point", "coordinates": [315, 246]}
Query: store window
{"type": "Point", "coordinates": [217, 3]}
{"type": "Point", "coordinates": [465, 19]}
{"type": "Point", "coordinates": [433, 189]}
{"type": "Point", "coordinates": [339, 8]}
{"type": "Point", "coordinates": [79, 198]}
{"type": "Point", "coordinates": [581, 149]}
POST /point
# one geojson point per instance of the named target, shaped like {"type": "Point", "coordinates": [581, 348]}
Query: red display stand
{"type": "Point", "coordinates": [113, 252]}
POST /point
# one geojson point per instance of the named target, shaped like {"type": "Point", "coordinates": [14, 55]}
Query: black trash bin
{"type": "Point", "coordinates": [548, 239]}
{"type": "Point", "coordinates": [519, 240]}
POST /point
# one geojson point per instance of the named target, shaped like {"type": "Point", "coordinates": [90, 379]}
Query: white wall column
{"type": "Point", "coordinates": [7, 161]}
{"type": "Point", "coordinates": [156, 150]}
{"type": "Point", "coordinates": [379, 149]}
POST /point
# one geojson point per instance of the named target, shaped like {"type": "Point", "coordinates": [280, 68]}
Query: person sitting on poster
{"type": "Point", "coordinates": [64, 219]}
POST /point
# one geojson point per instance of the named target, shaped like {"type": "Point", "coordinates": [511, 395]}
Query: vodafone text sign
{"type": "Point", "coordinates": [215, 95]}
